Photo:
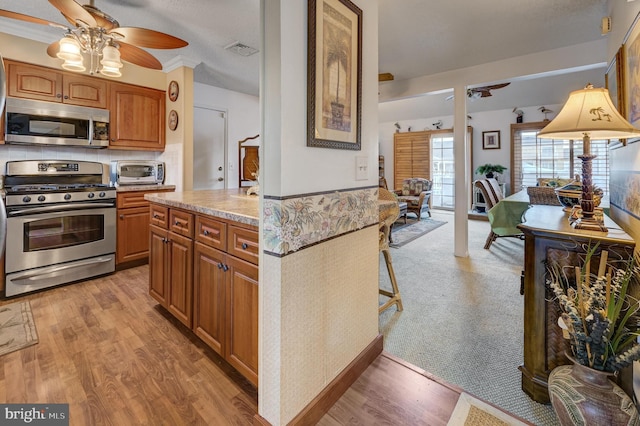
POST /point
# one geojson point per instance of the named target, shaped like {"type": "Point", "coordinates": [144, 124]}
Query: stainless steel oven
{"type": "Point", "coordinates": [59, 231]}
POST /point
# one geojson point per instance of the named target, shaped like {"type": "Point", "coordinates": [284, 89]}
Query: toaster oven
{"type": "Point", "coordinates": [136, 172]}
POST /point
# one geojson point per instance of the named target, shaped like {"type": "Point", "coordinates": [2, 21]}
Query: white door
{"type": "Point", "coordinates": [209, 148]}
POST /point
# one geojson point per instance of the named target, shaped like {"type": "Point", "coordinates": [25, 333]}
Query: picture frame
{"type": "Point", "coordinates": [491, 139]}
{"type": "Point", "coordinates": [631, 73]}
{"type": "Point", "coordinates": [334, 75]}
{"type": "Point", "coordinates": [173, 91]}
{"type": "Point", "coordinates": [614, 81]}
{"type": "Point", "coordinates": [173, 119]}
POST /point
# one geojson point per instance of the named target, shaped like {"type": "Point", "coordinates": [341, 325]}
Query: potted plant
{"type": "Point", "coordinates": [598, 316]}
{"type": "Point", "coordinates": [489, 169]}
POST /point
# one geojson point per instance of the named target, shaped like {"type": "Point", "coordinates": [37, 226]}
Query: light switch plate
{"type": "Point", "coordinates": [362, 167]}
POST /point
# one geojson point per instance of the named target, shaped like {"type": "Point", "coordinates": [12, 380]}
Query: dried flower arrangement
{"type": "Point", "coordinates": [599, 317]}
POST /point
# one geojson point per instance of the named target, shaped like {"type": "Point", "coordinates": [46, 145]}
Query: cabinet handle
{"type": "Point", "coordinates": [113, 139]}
{"type": "Point", "coordinates": [205, 232]}
{"type": "Point", "coordinates": [58, 95]}
{"type": "Point", "coordinates": [66, 97]}
{"type": "Point", "coordinates": [245, 246]}
{"type": "Point", "coordinates": [178, 223]}
{"type": "Point", "coordinates": [220, 265]}
{"type": "Point", "coordinates": [155, 216]}
{"type": "Point", "coordinates": [121, 216]}
{"type": "Point", "coordinates": [225, 268]}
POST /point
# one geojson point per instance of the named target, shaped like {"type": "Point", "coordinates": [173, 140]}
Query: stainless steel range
{"type": "Point", "coordinates": [61, 223]}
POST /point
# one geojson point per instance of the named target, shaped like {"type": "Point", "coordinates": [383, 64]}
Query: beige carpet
{"type": "Point", "coordinates": [463, 316]}
{"type": "Point", "coordinates": [403, 233]}
{"type": "Point", "coordinates": [17, 328]}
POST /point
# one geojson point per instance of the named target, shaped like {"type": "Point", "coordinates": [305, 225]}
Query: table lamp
{"type": "Point", "coordinates": [588, 113]}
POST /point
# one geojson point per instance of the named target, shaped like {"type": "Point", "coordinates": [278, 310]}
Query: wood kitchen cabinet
{"type": "Point", "coordinates": [132, 246]}
{"type": "Point", "coordinates": [137, 118]}
{"type": "Point", "coordinates": [47, 84]}
{"type": "Point", "coordinates": [171, 265]}
{"type": "Point", "coordinates": [224, 284]}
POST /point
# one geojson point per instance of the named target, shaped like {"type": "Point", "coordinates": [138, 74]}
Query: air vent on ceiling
{"type": "Point", "coordinates": [241, 49]}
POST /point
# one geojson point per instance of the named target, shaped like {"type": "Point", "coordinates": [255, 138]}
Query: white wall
{"type": "Point", "coordinates": [243, 119]}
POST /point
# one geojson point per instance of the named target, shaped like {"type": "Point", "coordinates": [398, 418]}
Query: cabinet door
{"type": "Point", "coordinates": [209, 277]}
{"type": "Point", "coordinates": [180, 261]}
{"type": "Point", "coordinates": [84, 91]}
{"type": "Point", "coordinates": [158, 283]}
{"type": "Point", "coordinates": [132, 230]}
{"type": "Point", "coordinates": [34, 82]}
{"type": "Point", "coordinates": [137, 118]}
{"type": "Point", "coordinates": [242, 318]}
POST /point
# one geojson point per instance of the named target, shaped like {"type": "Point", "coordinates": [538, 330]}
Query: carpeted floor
{"type": "Point", "coordinates": [463, 317]}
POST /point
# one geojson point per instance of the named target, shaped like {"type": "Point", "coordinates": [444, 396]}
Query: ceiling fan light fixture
{"type": "Point", "coordinates": [110, 71]}
{"type": "Point", "coordinates": [76, 66]}
{"type": "Point", "coordinates": [111, 58]}
{"type": "Point", "coordinates": [69, 50]}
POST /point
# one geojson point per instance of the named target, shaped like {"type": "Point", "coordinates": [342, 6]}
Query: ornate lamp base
{"type": "Point", "coordinates": [590, 224]}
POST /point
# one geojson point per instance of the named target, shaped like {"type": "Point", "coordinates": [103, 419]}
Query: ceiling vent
{"type": "Point", "coordinates": [241, 49]}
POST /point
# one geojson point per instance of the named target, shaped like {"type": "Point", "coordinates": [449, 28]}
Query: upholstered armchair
{"type": "Point", "coordinates": [416, 192]}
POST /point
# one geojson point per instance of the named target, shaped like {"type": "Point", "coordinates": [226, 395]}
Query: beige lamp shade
{"type": "Point", "coordinates": [69, 50]}
{"type": "Point", "coordinates": [589, 111]}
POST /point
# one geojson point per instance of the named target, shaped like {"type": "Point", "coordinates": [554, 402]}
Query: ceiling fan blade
{"type": "Point", "coordinates": [149, 38]}
{"type": "Point", "coordinates": [385, 76]}
{"type": "Point", "coordinates": [53, 49]}
{"type": "Point", "coordinates": [26, 18]}
{"type": "Point", "coordinates": [137, 56]}
{"type": "Point", "coordinates": [74, 12]}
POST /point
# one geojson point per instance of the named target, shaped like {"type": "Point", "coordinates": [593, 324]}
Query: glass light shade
{"type": "Point", "coordinates": [110, 71]}
{"type": "Point", "coordinates": [76, 66]}
{"type": "Point", "coordinates": [69, 50]}
{"type": "Point", "coordinates": [111, 57]}
{"type": "Point", "coordinates": [589, 111]}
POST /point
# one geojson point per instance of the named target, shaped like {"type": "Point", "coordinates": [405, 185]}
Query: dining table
{"type": "Point", "coordinates": [507, 214]}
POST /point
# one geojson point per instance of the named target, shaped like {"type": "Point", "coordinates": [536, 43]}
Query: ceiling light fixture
{"type": "Point", "coordinates": [100, 46]}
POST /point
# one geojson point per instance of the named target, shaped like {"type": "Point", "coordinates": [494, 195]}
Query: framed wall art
{"type": "Point", "coordinates": [614, 81]}
{"type": "Point", "coordinates": [491, 140]}
{"type": "Point", "coordinates": [174, 90]}
{"type": "Point", "coordinates": [631, 56]}
{"type": "Point", "coordinates": [334, 79]}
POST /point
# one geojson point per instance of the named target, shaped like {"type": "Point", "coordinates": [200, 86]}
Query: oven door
{"type": "Point", "coordinates": [43, 236]}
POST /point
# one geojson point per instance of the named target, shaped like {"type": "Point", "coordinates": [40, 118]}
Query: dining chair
{"type": "Point", "coordinates": [492, 195]}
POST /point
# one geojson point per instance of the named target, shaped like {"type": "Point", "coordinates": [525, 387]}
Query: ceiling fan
{"type": "Point", "coordinates": [482, 91]}
{"type": "Point", "coordinates": [99, 35]}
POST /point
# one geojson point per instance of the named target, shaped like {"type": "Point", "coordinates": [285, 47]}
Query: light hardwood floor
{"type": "Point", "coordinates": [117, 359]}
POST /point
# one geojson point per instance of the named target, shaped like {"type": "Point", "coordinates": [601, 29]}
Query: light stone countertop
{"type": "Point", "coordinates": [131, 188]}
{"type": "Point", "coordinates": [230, 204]}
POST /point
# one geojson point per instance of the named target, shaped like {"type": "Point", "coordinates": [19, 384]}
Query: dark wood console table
{"type": "Point", "coordinates": [549, 236]}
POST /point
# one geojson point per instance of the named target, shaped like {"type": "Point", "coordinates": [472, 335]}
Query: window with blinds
{"type": "Point", "coordinates": [535, 158]}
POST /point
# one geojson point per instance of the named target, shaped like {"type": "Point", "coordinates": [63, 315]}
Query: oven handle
{"type": "Point", "coordinates": [33, 275]}
{"type": "Point", "coordinates": [48, 209]}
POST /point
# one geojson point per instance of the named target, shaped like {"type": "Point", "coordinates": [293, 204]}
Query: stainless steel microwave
{"type": "Point", "coordinates": [29, 121]}
{"type": "Point", "coordinates": [136, 172]}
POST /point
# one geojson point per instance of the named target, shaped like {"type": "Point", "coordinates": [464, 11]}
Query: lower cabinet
{"type": "Point", "coordinates": [204, 286]}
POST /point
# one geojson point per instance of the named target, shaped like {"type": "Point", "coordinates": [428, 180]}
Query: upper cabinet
{"type": "Point", "coordinates": [137, 117]}
{"type": "Point", "coordinates": [46, 84]}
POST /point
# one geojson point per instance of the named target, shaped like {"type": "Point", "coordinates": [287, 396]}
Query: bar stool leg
{"type": "Point", "coordinates": [394, 295]}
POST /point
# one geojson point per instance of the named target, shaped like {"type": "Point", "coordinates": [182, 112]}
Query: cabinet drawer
{"type": "Point", "coordinates": [211, 232]}
{"type": "Point", "coordinates": [181, 223]}
{"type": "Point", "coordinates": [159, 216]}
{"type": "Point", "coordinates": [243, 243]}
{"type": "Point", "coordinates": [131, 199]}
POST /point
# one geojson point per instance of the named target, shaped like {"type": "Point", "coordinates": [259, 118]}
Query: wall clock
{"type": "Point", "coordinates": [174, 89]}
{"type": "Point", "coordinates": [173, 119]}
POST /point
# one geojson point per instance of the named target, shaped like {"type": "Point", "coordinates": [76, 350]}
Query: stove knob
{"type": "Point", "coordinates": [91, 195]}
{"type": "Point", "coordinates": [26, 199]}
{"type": "Point", "coordinates": [67, 196]}
{"type": "Point", "coordinates": [41, 198]}
{"type": "Point", "coordinates": [103, 194]}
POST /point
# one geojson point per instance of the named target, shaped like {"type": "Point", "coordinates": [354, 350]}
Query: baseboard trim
{"type": "Point", "coordinates": [319, 406]}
